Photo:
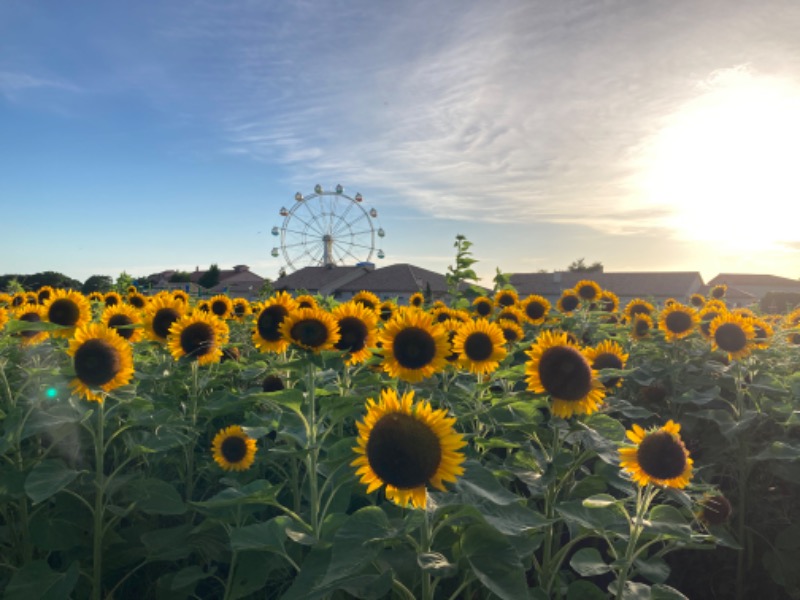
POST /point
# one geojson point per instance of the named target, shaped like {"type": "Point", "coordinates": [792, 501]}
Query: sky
{"type": "Point", "coordinates": [646, 135]}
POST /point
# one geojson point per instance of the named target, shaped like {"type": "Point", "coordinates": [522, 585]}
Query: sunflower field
{"type": "Point", "coordinates": [494, 446]}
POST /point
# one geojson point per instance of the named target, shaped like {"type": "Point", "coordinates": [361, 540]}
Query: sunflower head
{"type": "Point", "coordinates": [480, 346]}
{"type": "Point", "coordinates": [43, 293]}
{"type": "Point", "coordinates": [137, 300]}
{"type": "Point", "coordinates": [198, 336]}
{"type": "Point", "coordinates": [677, 321]}
{"type": "Point", "coordinates": [414, 347]}
{"type": "Point", "coordinates": [69, 309]}
{"type": "Point", "coordinates": [112, 299]}
{"type": "Point", "coordinates": [266, 331]}
{"type": "Point", "coordinates": [181, 295]}
{"type": "Point", "coordinates": [705, 316]}
{"type": "Point", "coordinates": [306, 301]}
{"type": "Point", "coordinates": [588, 290]}
{"type": "Point", "coordinates": [559, 368]}
{"type": "Point", "coordinates": [764, 333]}
{"type": "Point", "coordinates": [367, 300]}
{"type": "Point", "coordinates": [241, 308]}
{"type": "Point", "coordinates": [511, 331]}
{"type": "Point", "coordinates": [233, 449]}
{"type": "Point", "coordinates": [162, 311]}
{"type": "Point", "coordinates": [697, 300]}
{"type": "Point", "coordinates": [125, 320]}
{"type": "Point", "coordinates": [482, 306]}
{"type": "Point", "coordinates": [417, 300]}
{"type": "Point", "coordinates": [386, 310]}
{"type": "Point", "coordinates": [718, 291]}
{"type": "Point", "coordinates": [607, 355]}
{"type": "Point", "coordinates": [641, 325]}
{"type": "Point", "coordinates": [637, 306]}
{"type": "Point", "coordinates": [405, 446]}
{"type": "Point", "coordinates": [658, 456]}
{"type": "Point", "coordinates": [102, 360]}
{"type": "Point", "coordinates": [31, 314]}
{"type": "Point", "coordinates": [220, 306]}
{"type": "Point", "coordinates": [609, 301]}
{"type": "Point", "coordinates": [505, 298]}
{"type": "Point", "coordinates": [311, 328]}
{"type": "Point", "coordinates": [358, 330]}
{"type": "Point", "coordinates": [733, 334]}
{"type": "Point", "coordinates": [714, 509]}
{"type": "Point", "coordinates": [272, 383]}
{"type": "Point", "coordinates": [568, 302]}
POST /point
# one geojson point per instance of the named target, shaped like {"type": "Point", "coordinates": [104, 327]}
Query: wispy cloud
{"type": "Point", "coordinates": [12, 84]}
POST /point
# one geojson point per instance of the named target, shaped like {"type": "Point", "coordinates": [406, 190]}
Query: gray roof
{"type": "Point", "coordinates": [734, 279]}
{"type": "Point", "coordinates": [313, 279]}
{"type": "Point", "coordinates": [624, 284]}
{"type": "Point", "coordinates": [394, 278]}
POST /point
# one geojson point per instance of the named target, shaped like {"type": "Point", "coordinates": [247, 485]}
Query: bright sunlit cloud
{"type": "Point", "coordinates": [726, 163]}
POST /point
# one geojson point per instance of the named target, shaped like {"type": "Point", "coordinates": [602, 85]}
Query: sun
{"type": "Point", "coordinates": [724, 165]}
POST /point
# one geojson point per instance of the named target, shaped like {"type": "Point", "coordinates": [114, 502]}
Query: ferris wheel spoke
{"type": "Point", "coordinates": [311, 224]}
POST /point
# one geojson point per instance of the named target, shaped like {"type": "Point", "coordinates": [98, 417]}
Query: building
{"type": "Point", "coordinates": [239, 281]}
{"type": "Point", "coordinates": [756, 285]}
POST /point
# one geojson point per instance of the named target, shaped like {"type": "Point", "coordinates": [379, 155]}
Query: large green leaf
{"type": "Point", "coordinates": [588, 562]}
{"type": "Point", "coordinates": [585, 590]}
{"type": "Point", "coordinates": [37, 580]}
{"type": "Point", "coordinates": [48, 478]}
{"type": "Point", "coordinates": [778, 451]}
{"type": "Point", "coordinates": [495, 562]}
{"type": "Point", "coordinates": [156, 497]}
{"type": "Point", "coordinates": [268, 536]}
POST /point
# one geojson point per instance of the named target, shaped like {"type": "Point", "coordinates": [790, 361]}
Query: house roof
{"type": "Point", "coordinates": [400, 277]}
{"type": "Point", "coordinates": [634, 283]}
{"type": "Point", "coordinates": [734, 279]}
{"type": "Point", "coordinates": [316, 278]}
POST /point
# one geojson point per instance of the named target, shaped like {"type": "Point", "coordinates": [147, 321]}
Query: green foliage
{"type": "Point", "coordinates": [124, 281]}
{"type": "Point", "coordinates": [210, 278]}
{"type": "Point", "coordinates": [20, 283]}
{"type": "Point", "coordinates": [180, 277]}
{"type": "Point", "coordinates": [580, 266]}
{"type": "Point", "coordinates": [779, 302]}
{"type": "Point", "coordinates": [461, 272]}
{"type": "Point", "coordinates": [98, 283]}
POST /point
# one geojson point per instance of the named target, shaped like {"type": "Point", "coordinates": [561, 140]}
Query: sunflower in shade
{"type": "Point", "coordinates": [306, 301]}
{"type": "Point", "coordinates": [764, 333]}
{"type": "Point", "coordinates": [386, 310]}
{"type": "Point", "coordinates": [162, 311]}
{"type": "Point", "coordinates": [535, 309]}
{"type": "Point", "coordinates": [417, 300]}
{"type": "Point", "coordinates": [482, 306]}
{"type": "Point", "coordinates": [221, 306]}
{"type": "Point", "coordinates": [559, 368]}
{"type": "Point", "coordinates": [31, 314]}
{"type": "Point", "coordinates": [413, 346]}
{"type": "Point", "coordinates": [568, 302]}
{"type": "Point", "coordinates": [125, 320]}
{"type": "Point", "coordinates": [198, 336]}
{"type": "Point", "coordinates": [311, 328]}
{"type": "Point", "coordinates": [733, 334]}
{"type": "Point", "coordinates": [608, 302]}
{"type": "Point", "coordinates": [511, 313]}
{"type": "Point", "coordinates": [233, 449]}
{"type": "Point", "coordinates": [641, 326]}
{"type": "Point", "coordinates": [607, 355]}
{"type": "Point", "coordinates": [241, 309]}
{"type": "Point", "coordinates": [367, 300]}
{"type": "Point", "coordinates": [511, 331]}
{"type": "Point", "coordinates": [357, 328]}
{"type": "Point", "coordinates": [102, 361]}
{"type": "Point", "coordinates": [266, 330]}
{"type": "Point", "coordinates": [658, 457]}
{"type": "Point", "coordinates": [480, 346]}
{"type": "Point", "coordinates": [43, 293]}
{"type": "Point", "coordinates": [406, 446]}
{"type": "Point", "coordinates": [112, 299]}
{"type": "Point", "coordinates": [587, 290]}
{"type": "Point", "coordinates": [677, 321]}
{"type": "Point", "coordinates": [638, 306]}
{"type": "Point", "coordinates": [504, 298]}
{"type": "Point", "coordinates": [705, 316]}
{"type": "Point", "coordinates": [69, 309]}
{"type": "Point", "coordinates": [137, 300]}
{"type": "Point", "coordinates": [718, 291]}
{"type": "Point", "coordinates": [697, 300]}
{"type": "Point", "coordinates": [181, 295]}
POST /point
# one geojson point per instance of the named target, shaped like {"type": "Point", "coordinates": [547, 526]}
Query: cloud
{"type": "Point", "coordinates": [12, 84]}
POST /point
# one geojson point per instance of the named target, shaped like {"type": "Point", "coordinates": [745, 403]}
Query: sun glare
{"type": "Point", "coordinates": [725, 165]}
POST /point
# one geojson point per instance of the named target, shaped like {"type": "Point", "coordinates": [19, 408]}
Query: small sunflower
{"type": "Point", "coordinates": [511, 331]}
{"type": "Point", "coordinates": [441, 314]}
{"type": "Point", "coordinates": [659, 457]}
{"type": "Point", "coordinates": [568, 302]}
{"type": "Point", "coordinates": [557, 367]}
{"type": "Point", "coordinates": [102, 360]}
{"type": "Point", "coordinates": [221, 306]}
{"type": "Point", "coordinates": [233, 449]}
{"type": "Point", "coordinates": [482, 306]}
{"type": "Point", "coordinates": [609, 301]}
{"type": "Point", "coordinates": [792, 319]}
{"type": "Point", "coordinates": [764, 333]}
{"type": "Point", "coordinates": [112, 299]}
{"type": "Point", "coordinates": [125, 320]}
{"type": "Point", "coordinates": [641, 325]}
{"type": "Point", "coordinates": [588, 290]}
{"type": "Point", "coordinates": [718, 291]}
{"type": "Point", "coordinates": [306, 301]}
{"type": "Point", "coordinates": [203, 305]}
{"type": "Point", "coordinates": [678, 321]}
{"type": "Point", "coordinates": [198, 336]}
{"type": "Point", "coordinates": [95, 297]}
{"type": "Point", "coordinates": [272, 383]}
{"type": "Point", "coordinates": [414, 347]}
{"type": "Point", "coordinates": [43, 293]}
{"type": "Point", "coordinates": [137, 300]}
{"type": "Point", "coordinates": [131, 289]}
{"type": "Point", "coordinates": [386, 310]}
{"type": "Point", "coordinates": [511, 313]}
{"type": "Point", "coordinates": [68, 308]}
{"type": "Point", "coordinates": [714, 509]}
{"type": "Point", "coordinates": [697, 300]}
{"type": "Point", "coordinates": [504, 298]}
{"type": "Point", "coordinates": [162, 311]}
{"type": "Point", "coordinates": [357, 327]}
{"type": "Point", "coordinates": [706, 315]}
{"type": "Point", "coordinates": [406, 446]}
{"type": "Point", "coordinates": [535, 309]}
{"type": "Point", "coordinates": [266, 331]}
{"type": "Point", "coordinates": [637, 306]}
{"type": "Point", "coordinates": [241, 308]}
{"type": "Point", "coordinates": [733, 334]}
{"type": "Point", "coordinates": [416, 300]}
{"type": "Point", "coordinates": [311, 328]}
{"type": "Point", "coordinates": [480, 347]}
{"type": "Point", "coordinates": [31, 314]}
{"type": "Point", "coordinates": [367, 300]}
{"type": "Point", "coordinates": [181, 295]}
{"type": "Point", "coordinates": [607, 355]}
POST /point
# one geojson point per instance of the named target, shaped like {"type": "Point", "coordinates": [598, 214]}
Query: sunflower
{"type": "Point", "coordinates": [311, 328]}
{"type": "Point", "coordinates": [557, 367]}
{"type": "Point", "coordinates": [272, 383]}
{"type": "Point", "coordinates": [68, 308]}
{"type": "Point", "coordinates": [511, 331]}
{"type": "Point", "coordinates": [697, 300]}
{"type": "Point", "coordinates": [588, 290]}
{"type": "Point", "coordinates": [18, 299]}
{"type": "Point", "coordinates": [101, 358]}
{"type": "Point", "coordinates": [131, 289]}
{"type": "Point", "coordinates": [198, 336]}
{"type": "Point", "coordinates": [95, 297]}
{"type": "Point", "coordinates": [367, 300]}
{"type": "Point", "coordinates": [221, 306]}
{"type": "Point", "coordinates": [733, 334]}
{"type": "Point", "coordinates": [451, 326]}
{"type": "Point", "coordinates": [112, 299]}
{"type": "Point", "coordinates": [482, 306]}
{"type": "Point", "coordinates": [535, 309]}
{"type": "Point", "coordinates": [357, 327]}
{"type": "Point", "coordinates": [609, 301]}
{"type": "Point", "coordinates": [233, 449]}
{"type": "Point", "coordinates": [416, 299]}
{"type": "Point", "coordinates": [607, 355]}
{"type": "Point", "coordinates": [678, 321]}
{"type": "Point", "coordinates": [441, 314]}
{"type": "Point", "coordinates": [504, 298]}
{"type": "Point", "coordinates": [43, 293]}
{"type": "Point", "coordinates": [405, 446]}
{"type": "Point", "coordinates": [637, 306]}
{"type": "Point", "coordinates": [3, 317]}
{"type": "Point", "coordinates": [641, 324]}
{"type": "Point", "coordinates": [241, 308]}
{"type": "Point", "coordinates": [162, 311]}
{"type": "Point", "coordinates": [414, 347]}
{"type": "Point", "coordinates": [706, 315]}
{"type": "Point", "coordinates": [764, 333]}
{"type": "Point", "coordinates": [306, 301]}
{"type": "Point", "coordinates": [31, 314]}
{"type": "Point", "coordinates": [568, 302]}
{"type": "Point", "coordinates": [203, 305]}
{"type": "Point", "coordinates": [125, 320]}
{"type": "Point", "coordinates": [511, 313]}
{"type": "Point", "coordinates": [480, 346]}
{"type": "Point", "coordinates": [714, 509]}
{"type": "Point", "coordinates": [792, 319]}
{"type": "Point", "coordinates": [181, 295]}
{"type": "Point", "coordinates": [386, 310]}
{"type": "Point", "coordinates": [266, 331]}
{"type": "Point", "coordinates": [659, 457]}
{"type": "Point", "coordinates": [137, 300]}
{"type": "Point", "coordinates": [5, 300]}
{"type": "Point", "coordinates": [669, 302]}
{"type": "Point", "coordinates": [718, 291]}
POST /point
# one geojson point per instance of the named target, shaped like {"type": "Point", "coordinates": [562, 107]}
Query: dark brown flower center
{"type": "Point", "coordinates": [641, 327]}
{"type": "Point", "coordinates": [311, 333]}
{"type": "Point", "coordinates": [730, 337]}
{"type": "Point", "coordinates": [678, 321]}
{"type": "Point", "coordinates": [505, 300]}
{"type": "Point", "coordinates": [30, 317]}
{"type": "Point", "coordinates": [414, 348]}
{"type": "Point", "coordinates": [569, 303]}
{"type": "Point", "coordinates": [478, 346]}
{"type": "Point", "coordinates": [64, 312]}
{"type": "Point", "coordinates": [219, 308]}
{"type": "Point", "coordinates": [716, 510]}
{"type": "Point", "coordinates": [136, 300]}
{"type": "Point", "coordinates": [353, 333]}
{"type": "Point", "coordinates": [197, 339]}
{"type": "Point", "coordinates": [483, 308]}
{"type": "Point", "coordinates": [272, 383]}
{"type": "Point", "coordinates": [96, 362]}
{"type": "Point", "coordinates": [565, 373]}
{"type": "Point", "coordinates": [269, 322]}
{"type": "Point", "coordinates": [111, 300]}
{"type": "Point", "coordinates": [510, 315]}
{"type": "Point", "coordinates": [608, 360]}
{"type": "Point", "coordinates": [402, 451]}
{"type": "Point", "coordinates": [662, 456]}
{"type": "Point", "coordinates": [587, 292]}
{"type": "Point", "coordinates": [705, 322]}
{"type": "Point", "coordinates": [510, 334]}
{"type": "Point", "coordinates": [163, 320]}
{"type": "Point", "coordinates": [119, 324]}
{"type": "Point", "coordinates": [233, 449]}
{"type": "Point", "coordinates": [534, 310]}
{"type": "Point", "coordinates": [639, 309]}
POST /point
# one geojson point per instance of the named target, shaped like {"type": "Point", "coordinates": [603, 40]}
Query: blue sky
{"type": "Point", "coordinates": [647, 135]}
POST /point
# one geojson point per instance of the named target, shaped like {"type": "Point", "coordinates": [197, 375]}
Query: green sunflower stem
{"type": "Point", "coordinates": [426, 539]}
{"type": "Point", "coordinates": [193, 394]}
{"type": "Point", "coordinates": [312, 455]}
{"type": "Point", "coordinates": [99, 501]}
{"type": "Point", "coordinates": [644, 497]}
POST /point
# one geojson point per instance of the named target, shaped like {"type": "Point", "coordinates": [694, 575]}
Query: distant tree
{"type": "Point", "coordinates": [180, 277]}
{"type": "Point", "coordinates": [12, 285]}
{"type": "Point", "coordinates": [210, 278]}
{"type": "Point", "coordinates": [97, 283]}
{"type": "Point", "coordinates": [124, 281]}
{"type": "Point", "coordinates": [579, 266]}
{"type": "Point", "coordinates": [51, 278]}
{"type": "Point", "coordinates": [266, 289]}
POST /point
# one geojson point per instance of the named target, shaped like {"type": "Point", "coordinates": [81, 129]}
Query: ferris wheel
{"type": "Point", "coordinates": [328, 228]}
